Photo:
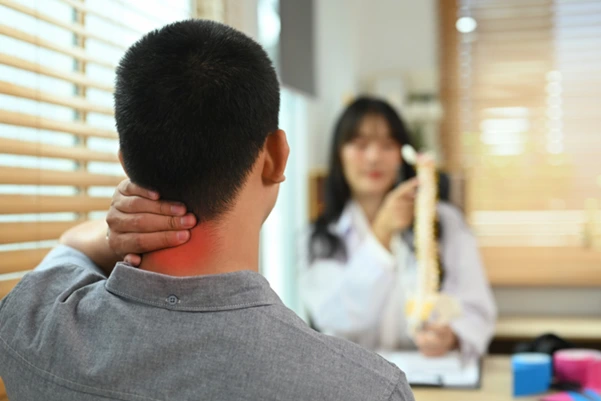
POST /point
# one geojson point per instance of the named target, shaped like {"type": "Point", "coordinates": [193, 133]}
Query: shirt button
{"type": "Point", "coordinates": [172, 300]}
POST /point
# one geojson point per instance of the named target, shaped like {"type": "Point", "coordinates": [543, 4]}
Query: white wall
{"type": "Point", "coordinates": [395, 35]}
{"type": "Point", "coordinates": [335, 72]}
{"type": "Point", "coordinates": [357, 40]}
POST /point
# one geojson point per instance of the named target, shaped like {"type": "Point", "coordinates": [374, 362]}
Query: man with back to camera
{"type": "Point", "coordinates": [196, 105]}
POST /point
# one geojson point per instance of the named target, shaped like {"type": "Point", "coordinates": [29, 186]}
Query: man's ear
{"type": "Point", "coordinates": [276, 157]}
{"type": "Point", "coordinates": [120, 155]}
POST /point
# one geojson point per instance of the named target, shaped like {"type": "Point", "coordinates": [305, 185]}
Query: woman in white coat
{"type": "Point", "coordinates": [359, 263]}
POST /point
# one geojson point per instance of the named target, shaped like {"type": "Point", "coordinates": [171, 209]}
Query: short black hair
{"type": "Point", "coordinates": [194, 102]}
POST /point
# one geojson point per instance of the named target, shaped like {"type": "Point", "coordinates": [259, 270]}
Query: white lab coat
{"type": "Point", "coordinates": [362, 299]}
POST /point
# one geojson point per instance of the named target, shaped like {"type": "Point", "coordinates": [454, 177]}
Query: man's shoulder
{"type": "Point", "coordinates": [360, 359]}
{"type": "Point", "coordinates": [383, 380]}
{"type": "Point", "coordinates": [63, 271]}
{"type": "Point", "coordinates": [341, 362]}
{"type": "Point", "coordinates": [64, 256]}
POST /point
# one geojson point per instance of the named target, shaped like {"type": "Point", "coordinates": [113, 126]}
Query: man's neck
{"type": "Point", "coordinates": [214, 248]}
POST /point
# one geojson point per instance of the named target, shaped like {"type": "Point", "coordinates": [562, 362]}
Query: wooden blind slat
{"type": "Point", "coordinates": [22, 260]}
{"type": "Point", "coordinates": [514, 37]}
{"type": "Point", "coordinates": [542, 266]}
{"type": "Point", "coordinates": [73, 77]}
{"type": "Point", "coordinates": [75, 102]}
{"type": "Point", "coordinates": [70, 26]}
{"type": "Point", "coordinates": [16, 147]}
{"type": "Point", "coordinates": [22, 204]}
{"type": "Point", "coordinates": [80, 6]}
{"type": "Point", "coordinates": [515, 26]}
{"type": "Point", "coordinates": [518, 14]}
{"type": "Point", "coordinates": [511, 13]}
{"type": "Point", "coordinates": [3, 396]}
{"type": "Point", "coordinates": [29, 176]}
{"type": "Point", "coordinates": [503, 4]}
{"type": "Point", "coordinates": [74, 52]}
{"type": "Point", "coordinates": [31, 121]}
{"type": "Point", "coordinates": [12, 233]}
{"type": "Point", "coordinates": [7, 285]}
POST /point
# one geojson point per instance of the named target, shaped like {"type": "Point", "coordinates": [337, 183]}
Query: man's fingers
{"type": "Point", "coordinates": [129, 243]}
{"type": "Point", "coordinates": [133, 259]}
{"type": "Point", "coordinates": [148, 222]}
{"type": "Point", "coordinates": [138, 204]}
{"type": "Point", "coordinates": [128, 188]}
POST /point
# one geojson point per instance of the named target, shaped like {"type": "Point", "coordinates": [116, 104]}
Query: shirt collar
{"type": "Point", "coordinates": [352, 217]}
{"type": "Point", "coordinates": [238, 290]}
{"type": "Point", "coordinates": [345, 221]}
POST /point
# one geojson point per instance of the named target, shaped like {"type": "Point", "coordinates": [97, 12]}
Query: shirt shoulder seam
{"type": "Point", "coordinates": [393, 390]}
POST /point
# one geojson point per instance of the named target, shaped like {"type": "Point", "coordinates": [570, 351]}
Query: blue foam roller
{"type": "Point", "coordinates": [532, 373]}
{"type": "Point", "coordinates": [585, 396]}
{"type": "Point", "coordinates": [592, 395]}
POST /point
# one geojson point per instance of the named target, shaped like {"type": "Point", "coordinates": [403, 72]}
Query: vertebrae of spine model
{"type": "Point", "coordinates": [427, 302]}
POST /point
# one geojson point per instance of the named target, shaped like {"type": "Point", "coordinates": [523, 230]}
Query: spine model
{"type": "Point", "coordinates": [427, 303]}
{"type": "Point", "coordinates": [426, 248]}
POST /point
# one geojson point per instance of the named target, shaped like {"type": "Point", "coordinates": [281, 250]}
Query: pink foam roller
{"type": "Point", "coordinates": [575, 365]}
{"type": "Point", "coordinates": [594, 375]}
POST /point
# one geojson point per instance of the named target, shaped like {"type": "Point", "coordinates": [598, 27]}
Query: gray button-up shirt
{"type": "Point", "coordinates": [69, 333]}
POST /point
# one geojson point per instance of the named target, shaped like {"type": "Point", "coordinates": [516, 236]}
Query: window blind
{"type": "Point", "coordinates": [58, 145]}
{"type": "Point", "coordinates": [521, 92]}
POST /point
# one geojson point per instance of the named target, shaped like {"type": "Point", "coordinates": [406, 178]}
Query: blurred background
{"type": "Point", "coordinates": [505, 92]}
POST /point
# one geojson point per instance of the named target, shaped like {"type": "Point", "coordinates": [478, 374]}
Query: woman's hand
{"type": "Point", "coordinates": [139, 222]}
{"type": "Point", "coordinates": [396, 212]}
{"type": "Point", "coordinates": [436, 340]}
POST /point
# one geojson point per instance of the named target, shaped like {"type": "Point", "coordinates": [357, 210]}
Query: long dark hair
{"type": "Point", "coordinates": [323, 243]}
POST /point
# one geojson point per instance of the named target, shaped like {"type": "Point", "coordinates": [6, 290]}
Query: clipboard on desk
{"type": "Point", "coordinates": [448, 371]}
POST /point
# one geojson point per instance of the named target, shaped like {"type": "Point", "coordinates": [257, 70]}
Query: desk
{"type": "Point", "coordinates": [573, 329]}
{"type": "Point", "coordinates": [496, 385]}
